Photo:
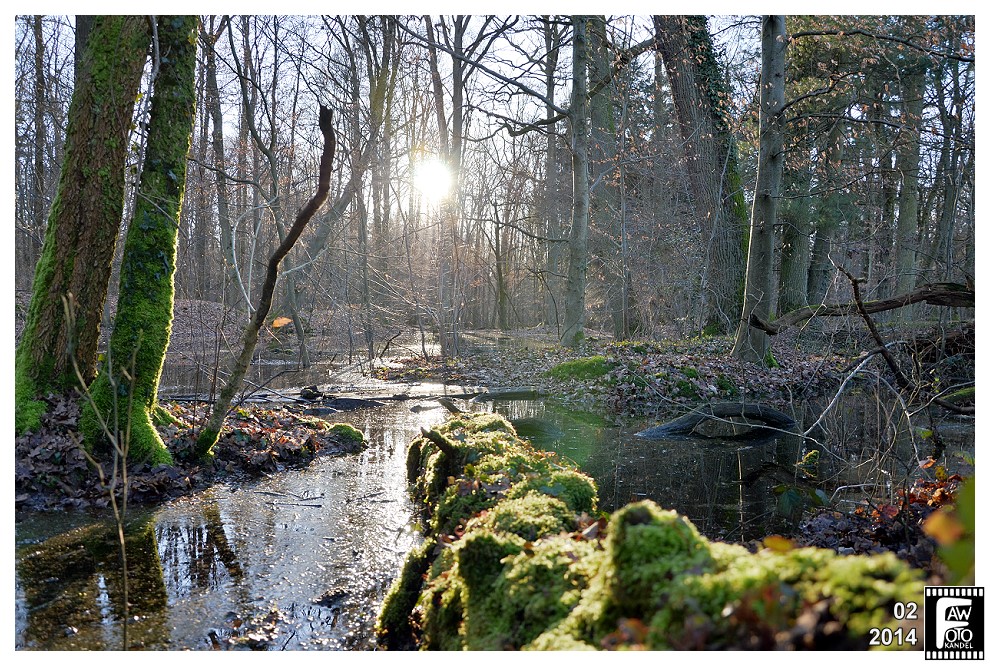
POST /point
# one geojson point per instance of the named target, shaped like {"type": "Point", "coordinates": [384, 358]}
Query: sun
{"type": "Point", "coordinates": [432, 178]}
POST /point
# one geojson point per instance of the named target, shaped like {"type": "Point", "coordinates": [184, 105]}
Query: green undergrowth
{"type": "Point", "coordinates": [516, 556]}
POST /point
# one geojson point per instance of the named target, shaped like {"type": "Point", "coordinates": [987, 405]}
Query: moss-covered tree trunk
{"type": "Point", "coordinates": [126, 391]}
{"type": "Point", "coordinates": [84, 221]}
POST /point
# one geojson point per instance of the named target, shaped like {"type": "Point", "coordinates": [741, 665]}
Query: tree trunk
{"type": "Point", "coordinates": [212, 103]}
{"type": "Point", "coordinates": [577, 268]}
{"type": "Point", "coordinates": [84, 220]}
{"type": "Point", "coordinates": [908, 163]}
{"type": "Point", "coordinates": [603, 163]}
{"type": "Point", "coordinates": [701, 103]}
{"type": "Point", "coordinates": [795, 243]}
{"type": "Point", "coordinates": [551, 195]}
{"type": "Point", "coordinates": [125, 393]}
{"type": "Point", "coordinates": [828, 216]}
{"type": "Point", "coordinates": [752, 344]}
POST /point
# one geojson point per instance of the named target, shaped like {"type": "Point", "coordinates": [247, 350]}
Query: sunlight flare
{"type": "Point", "coordinates": [433, 179]}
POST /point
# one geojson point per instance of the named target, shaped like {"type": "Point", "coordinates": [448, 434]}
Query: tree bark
{"type": "Point", "coordinates": [577, 268]}
{"type": "Point", "coordinates": [908, 163]}
{"type": "Point", "coordinates": [125, 393]}
{"type": "Point", "coordinates": [603, 163]}
{"type": "Point", "coordinates": [795, 241]}
{"type": "Point", "coordinates": [829, 214]}
{"type": "Point", "coordinates": [700, 102]}
{"type": "Point", "coordinates": [751, 343]}
{"type": "Point", "coordinates": [212, 103]}
{"type": "Point", "coordinates": [84, 220]}
{"type": "Point", "coordinates": [551, 202]}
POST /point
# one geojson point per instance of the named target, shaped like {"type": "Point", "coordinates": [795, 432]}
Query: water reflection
{"type": "Point", "coordinates": [741, 489]}
{"type": "Point", "coordinates": [320, 545]}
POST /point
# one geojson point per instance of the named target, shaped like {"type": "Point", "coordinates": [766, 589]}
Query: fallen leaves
{"type": "Point", "coordinates": [51, 470]}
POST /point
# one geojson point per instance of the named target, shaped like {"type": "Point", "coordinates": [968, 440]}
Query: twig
{"type": "Point", "coordinates": [902, 381]}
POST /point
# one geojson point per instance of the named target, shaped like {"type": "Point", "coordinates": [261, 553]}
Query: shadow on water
{"type": "Point", "coordinates": [319, 547]}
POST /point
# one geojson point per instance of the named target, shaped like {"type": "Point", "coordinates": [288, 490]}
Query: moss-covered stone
{"type": "Point", "coordinates": [513, 560]}
{"type": "Point", "coordinates": [347, 431]}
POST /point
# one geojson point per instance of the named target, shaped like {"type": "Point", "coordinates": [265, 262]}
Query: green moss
{"type": "Point", "coordinates": [162, 417]}
{"type": "Point", "coordinates": [685, 389]}
{"type": "Point", "coordinates": [690, 373]}
{"type": "Point", "coordinates": [347, 431]}
{"type": "Point", "coordinates": [530, 589]}
{"type": "Point", "coordinates": [575, 489]}
{"type": "Point", "coordinates": [726, 385]}
{"type": "Point", "coordinates": [530, 517]}
{"type": "Point", "coordinates": [519, 573]}
{"type": "Point", "coordinates": [581, 369]}
{"type": "Point", "coordinates": [125, 392]}
{"type": "Point", "coordinates": [27, 409]}
{"type": "Point", "coordinates": [392, 625]}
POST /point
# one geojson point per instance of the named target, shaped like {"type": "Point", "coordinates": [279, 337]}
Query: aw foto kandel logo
{"type": "Point", "coordinates": [954, 623]}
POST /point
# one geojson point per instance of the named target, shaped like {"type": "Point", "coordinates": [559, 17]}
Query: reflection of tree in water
{"type": "Point", "coordinates": [702, 479]}
{"type": "Point", "coordinates": [196, 553]}
{"type": "Point", "coordinates": [70, 574]}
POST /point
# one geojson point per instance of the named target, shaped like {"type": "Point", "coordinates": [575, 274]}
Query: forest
{"type": "Point", "coordinates": [467, 300]}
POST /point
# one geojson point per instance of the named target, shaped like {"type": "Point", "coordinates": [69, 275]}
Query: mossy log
{"type": "Point", "coordinates": [684, 426]}
{"type": "Point", "coordinates": [515, 556]}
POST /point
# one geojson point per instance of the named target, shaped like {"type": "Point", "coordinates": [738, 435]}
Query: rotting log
{"type": "Point", "coordinates": [684, 426]}
{"type": "Point", "coordinates": [945, 294]}
{"type": "Point", "coordinates": [516, 556]}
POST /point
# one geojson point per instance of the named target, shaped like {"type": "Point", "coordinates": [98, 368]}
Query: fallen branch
{"type": "Point", "coordinates": [902, 380]}
{"type": "Point", "coordinates": [442, 442]}
{"type": "Point", "coordinates": [946, 294]}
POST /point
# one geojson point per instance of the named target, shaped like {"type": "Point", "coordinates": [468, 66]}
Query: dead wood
{"type": "Point", "coordinates": [684, 426]}
{"type": "Point", "coordinates": [946, 294]}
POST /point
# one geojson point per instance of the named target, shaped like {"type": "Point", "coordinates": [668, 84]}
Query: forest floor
{"type": "Point", "coordinates": [635, 379]}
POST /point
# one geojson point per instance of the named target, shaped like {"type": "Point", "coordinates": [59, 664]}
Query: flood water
{"type": "Point", "coordinates": [302, 560]}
